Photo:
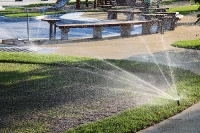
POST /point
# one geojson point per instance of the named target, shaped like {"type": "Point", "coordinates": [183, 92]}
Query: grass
{"type": "Point", "coordinates": [32, 14]}
{"type": "Point", "coordinates": [39, 91]}
{"type": "Point", "coordinates": [184, 9]}
{"type": "Point", "coordinates": [189, 44]}
{"type": "Point", "coordinates": [143, 116]}
{"type": "Point", "coordinates": [20, 11]}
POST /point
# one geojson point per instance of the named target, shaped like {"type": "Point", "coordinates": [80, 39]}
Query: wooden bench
{"type": "Point", "coordinates": [125, 27]}
{"type": "Point", "coordinates": [112, 14]}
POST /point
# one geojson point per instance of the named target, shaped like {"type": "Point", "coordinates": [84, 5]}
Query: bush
{"type": "Point", "coordinates": [197, 1]}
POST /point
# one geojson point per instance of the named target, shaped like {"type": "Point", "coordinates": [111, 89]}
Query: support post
{"type": "Point", "coordinates": [146, 28]}
{"type": "Point", "coordinates": [112, 15]}
{"type": "Point", "coordinates": [125, 30]}
{"type": "Point", "coordinates": [97, 32]}
{"type": "Point", "coordinates": [54, 33]}
{"type": "Point", "coordinates": [64, 33]}
{"type": "Point", "coordinates": [160, 27]}
{"type": "Point", "coordinates": [52, 27]}
{"type": "Point", "coordinates": [50, 30]}
{"type": "Point", "coordinates": [173, 22]}
{"type": "Point", "coordinates": [130, 16]}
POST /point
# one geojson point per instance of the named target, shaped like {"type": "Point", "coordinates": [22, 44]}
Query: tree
{"type": "Point", "coordinates": [197, 2]}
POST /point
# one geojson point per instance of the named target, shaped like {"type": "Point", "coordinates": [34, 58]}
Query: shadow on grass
{"type": "Point", "coordinates": [44, 87]}
{"type": "Point", "coordinates": [65, 96]}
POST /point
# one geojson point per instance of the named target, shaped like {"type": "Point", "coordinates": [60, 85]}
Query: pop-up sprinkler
{"type": "Point", "coordinates": [178, 102]}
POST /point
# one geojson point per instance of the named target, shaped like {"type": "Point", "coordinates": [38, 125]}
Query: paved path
{"type": "Point", "coordinates": [187, 121]}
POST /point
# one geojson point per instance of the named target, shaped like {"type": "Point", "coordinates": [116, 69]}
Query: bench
{"type": "Point", "coordinates": [105, 6]}
{"type": "Point", "coordinates": [158, 9]}
{"type": "Point", "coordinates": [125, 27]}
{"type": "Point", "coordinates": [167, 21]}
{"type": "Point", "coordinates": [112, 14]}
{"type": "Point", "coordinates": [52, 27]}
{"type": "Point", "coordinates": [154, 16]}
{"type": "Point", "coordinates": [173, 19]}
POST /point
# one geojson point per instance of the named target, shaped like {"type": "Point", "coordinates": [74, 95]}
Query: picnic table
{"type": "Point", "coordinates": [152, 9]}
{"type": "Point", "coordinates": [112, 14]}
{"type": "Point", "coordinates": [167, 20]}
{"type": "Point", "coordinates": [125, 27]}
{"type": "Point", "coordinates": [158, 9]}
{"type": "Point", "coordinates": [173, 17]}
{"type": "Point", "coordinates": [52, 27]}
{"type": "Point", "coordinates": [154, 16]}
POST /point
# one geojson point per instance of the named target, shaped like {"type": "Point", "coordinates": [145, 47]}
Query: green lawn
{"type": "Point", "coordinates": [184, 9]}
{"type": "Point", "coordinates": [190, 44]}
{"type": "Point", "coordinates": [39, 92]}
{"type": "Point", "coordinates": [20, 11]}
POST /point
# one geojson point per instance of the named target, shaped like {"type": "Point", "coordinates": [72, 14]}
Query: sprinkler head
{"type": "Point", "coordinates": [178, 102]}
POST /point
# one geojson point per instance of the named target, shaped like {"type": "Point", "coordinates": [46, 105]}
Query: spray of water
{"type": "Point", "coordinates": [136, 84]}
{"type": "Point", "coordinates": [174, 89]}
{"type": "Point", "coordinates": [175, 92]}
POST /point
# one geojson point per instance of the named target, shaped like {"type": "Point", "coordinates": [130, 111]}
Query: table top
{"type": "Point", "coordinates": [166, 12]}
{"type": "Point", "coordinates": [115, 23]}
{"type": "Point", "coordinates": [154, 14]}
{"type": "Point", "coordinates": [159, 8]}
{"type": "Point", "coordinates": [51, 20]}
{"type": "Point", "coordinates": [125, 11]}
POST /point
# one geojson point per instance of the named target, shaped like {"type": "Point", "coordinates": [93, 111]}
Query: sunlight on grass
{"type": "Point", "coordinates": [184, 9]}
{"type": "Point", "coordinates": [191, 44]}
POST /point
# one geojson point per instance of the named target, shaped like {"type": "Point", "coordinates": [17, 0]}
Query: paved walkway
{"type": "Point", "coordinates": [187, 121]}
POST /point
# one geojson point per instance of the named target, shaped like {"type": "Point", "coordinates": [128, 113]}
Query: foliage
{"type": "Point", "coordinates": [197, 1]}
{"type": "Point", "coordinates": [165, 2]}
